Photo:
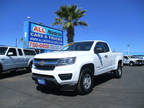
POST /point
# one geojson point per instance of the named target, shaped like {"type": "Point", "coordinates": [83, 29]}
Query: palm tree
{"type": "Point", "coordinates": [68, 17]}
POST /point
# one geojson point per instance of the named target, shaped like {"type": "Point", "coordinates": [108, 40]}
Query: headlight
{"type": "Point", "coordinates": [66, 61]}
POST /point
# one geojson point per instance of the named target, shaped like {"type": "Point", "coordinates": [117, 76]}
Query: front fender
{"type": "Point", "coordinates": [81, 61]}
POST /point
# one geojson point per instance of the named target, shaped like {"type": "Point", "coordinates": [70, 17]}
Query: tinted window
{"type": "Point", "coordinates": [133, 57]}
{"type": "Point", "coordinates": [79, 46]}
{"type": "Point", "coordinates": [3, 50]}
{"type": "Point", "coordinates": [125, 57]}
{"type": "Point", "coordinates": [99, 45]}
{"type": "Point", "coordinates": [20, 52]}
{"type": "Point", "coordinates": [13, 50]}
{"type": "Point", "coordinates": [105, 47]}
{"type": "Point", "coordinates": [29, 52]}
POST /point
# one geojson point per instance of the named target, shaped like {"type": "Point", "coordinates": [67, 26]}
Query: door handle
{"type": "Point", "coordinates": [106, 56]}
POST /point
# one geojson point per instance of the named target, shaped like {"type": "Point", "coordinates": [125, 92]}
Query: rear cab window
{"type": "Point", "coordinates": [20, 52]}
{"type": "Point", "coordinates": [106, 47]}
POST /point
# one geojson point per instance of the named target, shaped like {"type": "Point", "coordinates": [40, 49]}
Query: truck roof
{"type": "Point", "coordinates": [15, 47]}
{"type": "Point", "coordinates": [90, 41]}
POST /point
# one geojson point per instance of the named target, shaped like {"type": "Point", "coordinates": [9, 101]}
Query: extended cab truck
{"type": "Point", "coordinates": [76, 65]}
{"type": "Point", "coordinates": [12, 58]}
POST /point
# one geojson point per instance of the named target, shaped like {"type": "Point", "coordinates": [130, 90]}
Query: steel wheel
{"type": "Point", "coordinates": [86, 81]}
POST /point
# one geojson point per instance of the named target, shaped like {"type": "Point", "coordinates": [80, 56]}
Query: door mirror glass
{"type": "Point", "coordinates": [10, 54]}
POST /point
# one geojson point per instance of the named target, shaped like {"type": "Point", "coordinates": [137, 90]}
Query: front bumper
{"type": "Point", "coordinates": [61, 75]}
{"type": "Point", "coordinates": [51, 82]}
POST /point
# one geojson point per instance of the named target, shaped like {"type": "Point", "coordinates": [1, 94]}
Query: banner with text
{"type": "Point", "coordinates": [42, 37]}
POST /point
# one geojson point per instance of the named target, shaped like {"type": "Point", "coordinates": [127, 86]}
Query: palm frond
{"type": "Point", "coordinates": [58, 21]}
{"type": "Point", "coordinates": [69, 16]}
{"type": "Point", "coordinates": [82, 23]}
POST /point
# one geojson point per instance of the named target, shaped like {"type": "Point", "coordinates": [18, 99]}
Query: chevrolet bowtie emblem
{"type": "Point", "coordinates": [41, 63]}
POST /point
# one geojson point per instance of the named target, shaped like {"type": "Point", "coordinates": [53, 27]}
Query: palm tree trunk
{"type": "Point", "coordinates": [70, 34]}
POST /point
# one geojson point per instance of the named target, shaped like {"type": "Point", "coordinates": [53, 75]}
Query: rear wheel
{"type": "Point", "coordinates": [30, 67]}
{"type": "Point", "coordinates": [0, 69]}
{"type": "Point", "coordinates": [118, 72]}
{"type": "Point", "coordinates": [85, 84]}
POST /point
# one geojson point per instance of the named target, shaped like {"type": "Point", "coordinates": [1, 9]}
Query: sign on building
{"type": "Point", "coordinates": [42, 37]}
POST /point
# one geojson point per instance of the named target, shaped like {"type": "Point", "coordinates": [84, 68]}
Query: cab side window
{"type": "Point", "coordinates": [125, 57]}
{"type": "Point", "coordinates": [12, 51]}
{"type": "Point", "coordinates": [20, 52]}
{"type": "Point", "coordinates": [99, 45]}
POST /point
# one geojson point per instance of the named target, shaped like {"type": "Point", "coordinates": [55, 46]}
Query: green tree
{"type": "Point", "coordinates": [69, 17]}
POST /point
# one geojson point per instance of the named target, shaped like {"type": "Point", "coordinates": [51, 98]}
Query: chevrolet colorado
{"type": "Point", "coordinates": [76, 65]}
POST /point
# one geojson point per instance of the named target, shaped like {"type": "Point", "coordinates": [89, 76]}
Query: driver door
{"type": "Point", "coordinates": [12, 58]}
{"type": "Point", "coordinates": [104, 58]}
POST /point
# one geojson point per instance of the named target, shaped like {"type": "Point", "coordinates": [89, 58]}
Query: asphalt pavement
{"type": "Point", "coordinates": [18, 90]}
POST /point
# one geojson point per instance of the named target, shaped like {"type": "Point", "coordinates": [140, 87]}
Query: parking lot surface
{"type": "Point", "coordinates": [18, 90]}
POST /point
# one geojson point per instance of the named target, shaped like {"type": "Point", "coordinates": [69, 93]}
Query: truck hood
{"type": "Point", "coordinates": [62, 54]}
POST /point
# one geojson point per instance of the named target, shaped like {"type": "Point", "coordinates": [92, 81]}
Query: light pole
{"type": "Point", "coordinates": [128, 51]}
{"type": "Point", "coordinates": [16, 42]}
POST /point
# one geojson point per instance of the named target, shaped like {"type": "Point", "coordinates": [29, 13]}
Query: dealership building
{"type": "Point", "coordinates": [41, 37]}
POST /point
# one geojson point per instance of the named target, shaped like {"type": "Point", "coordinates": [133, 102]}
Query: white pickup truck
{"type": "Point", "coordinates": [76, 65]}
{"type": "Point", "coordinates": [12, 58]}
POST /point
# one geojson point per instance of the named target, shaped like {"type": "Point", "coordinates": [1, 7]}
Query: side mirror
{"type": "Point", "coordinates": [10, 54]}
{"type": "Point", "coordinates": [98, 50]}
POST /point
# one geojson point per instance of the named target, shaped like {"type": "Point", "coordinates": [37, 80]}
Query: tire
{"type": "Point", "coordinates": [86, 81]}
{"type": "Point", "coordinates": [118, 72]}
{"type": "Point", "coordinates": [131, 64]}
{"type": "Point", "coordinates": [29, 68]}
{"type": "Point", "coordinates": [0, 69]}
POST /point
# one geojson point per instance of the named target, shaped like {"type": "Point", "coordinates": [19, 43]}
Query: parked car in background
{"type": "Point", "coordinates": [133, 60]}
{"type": "Point", "coordinates": [12, 58]}
{"type": "Point", "coordinates": [139, 56]}
{"type": "Point", "coordinates": [76, 65]}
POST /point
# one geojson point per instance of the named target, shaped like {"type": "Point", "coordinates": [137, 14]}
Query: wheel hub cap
{"type": "Point", "coordinates": [87, 81]}
{"type": "Point", "coordinates": [119, 71]}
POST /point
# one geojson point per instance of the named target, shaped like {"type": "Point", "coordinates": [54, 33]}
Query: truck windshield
{"type": "Point", "coordinates": [79, 46]}
{"type": "Point", "coordinates": [3, 50]}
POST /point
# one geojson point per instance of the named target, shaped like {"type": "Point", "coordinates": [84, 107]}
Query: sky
{"type": "Point", "coordinates": [119, 22]}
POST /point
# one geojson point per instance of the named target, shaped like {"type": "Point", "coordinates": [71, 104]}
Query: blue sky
{"type": "Point", "coordinates": [119, 22]}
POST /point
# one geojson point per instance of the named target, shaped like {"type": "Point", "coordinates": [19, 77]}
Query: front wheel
{"type": "Point", "coordinates": [118, 72]}
{"type": "Point", "coordinates": [131, 64]}
{"type": "Point", "coordinates": [85, 84]}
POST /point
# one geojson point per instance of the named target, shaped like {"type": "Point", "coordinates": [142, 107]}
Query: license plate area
{"type": "Point", "coordinates": [42, 81]}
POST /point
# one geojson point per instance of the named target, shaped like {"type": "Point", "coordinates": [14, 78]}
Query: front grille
{"type": "Point", "coordinates": [43, 76]}
{"type": "Point", "coordinates": [46, 59]}
{"type": "Point", "coordinates": [45, 64]}
{"type": "Point", "coordinates": [48, 67]}
{"type": "Point", "coordinates": [140, 61]}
